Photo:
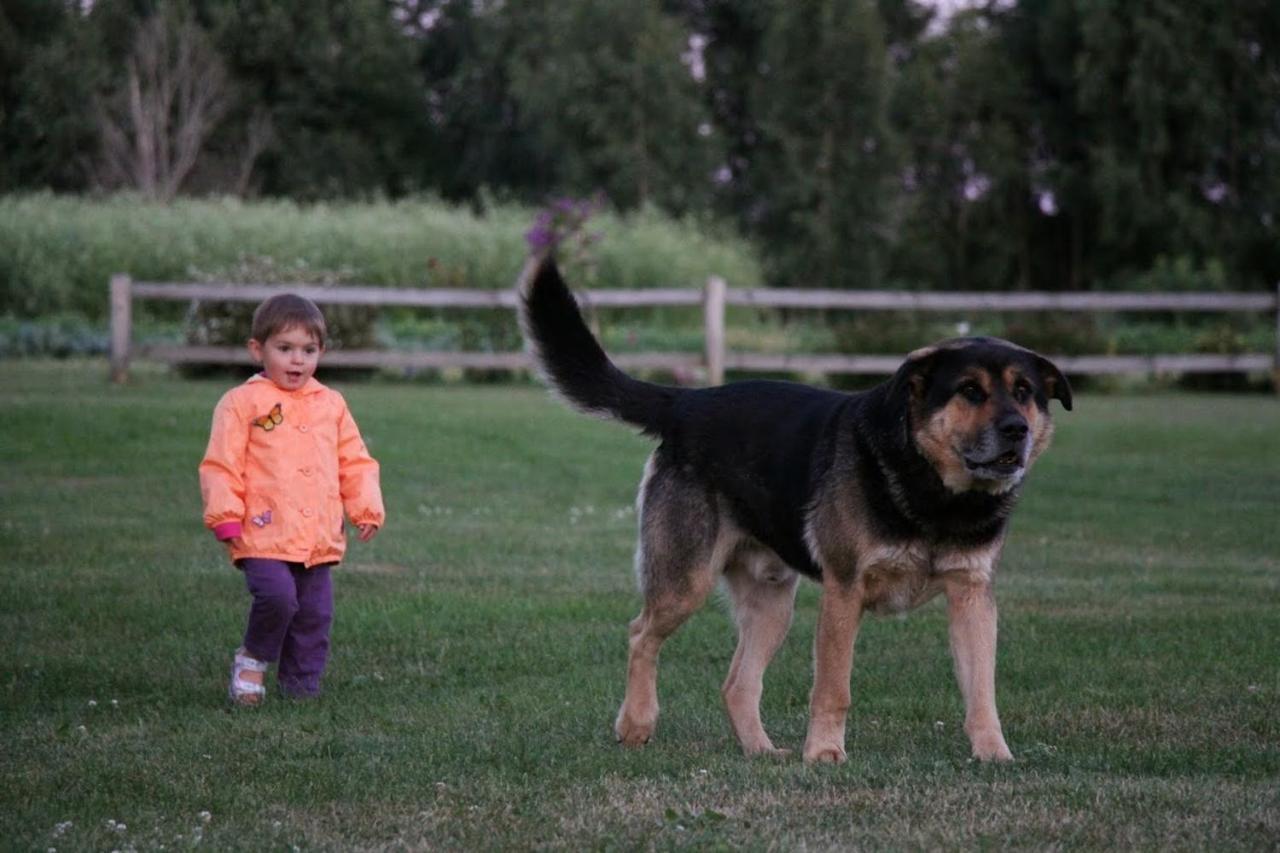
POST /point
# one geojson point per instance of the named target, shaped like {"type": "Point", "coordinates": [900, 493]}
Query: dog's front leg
{"type": "Point", "coordinates": [971, 608]}
{"type": "Point", "coordinates": [838, 618]}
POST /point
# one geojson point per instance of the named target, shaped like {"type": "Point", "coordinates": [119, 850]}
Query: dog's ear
{"type": "Point", "coordinates": [911, 380]}
{"type": "Point", "coordinates": [1056, 386]}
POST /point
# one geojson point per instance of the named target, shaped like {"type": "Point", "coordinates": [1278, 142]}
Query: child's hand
{"type": "Point", "coordinates": [233, 542]}
{"type": "Point", "coordinates": [367, 531]}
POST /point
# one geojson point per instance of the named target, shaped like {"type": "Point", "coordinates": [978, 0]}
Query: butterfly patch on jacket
{"type": "Point", "coordinates": [271, 419]}
{"type": "Point", "coordinates": [262, 520]}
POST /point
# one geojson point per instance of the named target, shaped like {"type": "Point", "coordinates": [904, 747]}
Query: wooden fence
{"type": "Point", "coordinates": [713, 299]}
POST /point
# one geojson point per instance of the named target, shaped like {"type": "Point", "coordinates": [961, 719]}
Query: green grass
{"type": "Point", "coordinates": [479, 647]}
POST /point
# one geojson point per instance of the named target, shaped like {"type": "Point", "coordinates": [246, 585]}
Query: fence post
{"type": "Point", "coordinates": [121, 325]}
{"type": "Point", "coordinates": [713, 325]}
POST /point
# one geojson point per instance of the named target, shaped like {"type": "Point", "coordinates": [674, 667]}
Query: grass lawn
{"type": "Point", "coordinates": [480, 645]}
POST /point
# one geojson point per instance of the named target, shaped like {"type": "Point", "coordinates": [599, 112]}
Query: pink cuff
{"type": "Point", "coordinates": [227, 530]}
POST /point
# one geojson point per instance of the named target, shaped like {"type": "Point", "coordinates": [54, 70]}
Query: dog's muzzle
{"type": "Point", "coordinates": [1002, 452]}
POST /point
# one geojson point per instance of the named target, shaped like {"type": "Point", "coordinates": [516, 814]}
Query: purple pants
{"type": "Point", "coordinates": [289, 621]}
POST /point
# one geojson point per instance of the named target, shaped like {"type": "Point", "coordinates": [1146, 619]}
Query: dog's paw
{"type": "Point", "coordinates": [990, 746]}
{"type": "Point", "coordinates": [769, 751]}
{"type": "Point", "coordinates": [824, 754]}
{"type": "Point", "coordinates": [633, 732]}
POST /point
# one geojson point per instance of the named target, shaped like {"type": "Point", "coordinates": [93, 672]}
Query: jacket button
{"type": "Point", "coordinates": [306, 472]}
{"type": "Point", "coordinates": [302, 428]}
{"type": "Point", "coordinates": [307, 513]}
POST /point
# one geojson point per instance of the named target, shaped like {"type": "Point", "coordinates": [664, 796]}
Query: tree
{"type": "Point", "coordinates": [174, 93]}
{"type": "Point", "coordinates": [606, 91]}
{"type": "Point", "coordinates": [337, 80]}
{"type": "Point", "coordinates": [962, 111]}
{"type": "Point", "coordinates": [1042, 38]}
{"type": "Point", "coordinates": [49, 68]}
{"type": "Point", "coordinates": [824, 160]}
{"type": "Point", "coordinates": [732, 33]}
{"type": "Point", "coordinates": [1184, 151]}
{"type": "Point", "coordinates": [482, 139]}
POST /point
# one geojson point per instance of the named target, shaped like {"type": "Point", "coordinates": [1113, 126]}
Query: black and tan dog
{"type": "Point", "coordinates": [886, 498]}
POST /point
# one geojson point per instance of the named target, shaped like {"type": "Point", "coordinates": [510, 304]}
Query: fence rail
{"type": "Point", "coordinates": [713, 299]}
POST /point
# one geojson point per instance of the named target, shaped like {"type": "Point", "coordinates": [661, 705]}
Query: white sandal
{"type": "Point", "coordinates": [243, 692]}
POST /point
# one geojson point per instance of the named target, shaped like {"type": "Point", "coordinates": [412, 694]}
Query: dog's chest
{"type": "Point", "coordinates": [897, 578]}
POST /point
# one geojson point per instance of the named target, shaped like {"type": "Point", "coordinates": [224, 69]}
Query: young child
{"type": "Point", "coordinates": [285, 459]}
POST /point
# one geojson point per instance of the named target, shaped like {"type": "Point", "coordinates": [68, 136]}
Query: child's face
{"type": "Point", "coordinates": [289, 357]}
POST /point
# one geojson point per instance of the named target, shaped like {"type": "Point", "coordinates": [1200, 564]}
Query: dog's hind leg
{"type": "Point", "coordinates": [638, 716]}
{"type": "Point", "coordinates": [678, 560]}
{"type": "Point", "coordinates": [763, 590]}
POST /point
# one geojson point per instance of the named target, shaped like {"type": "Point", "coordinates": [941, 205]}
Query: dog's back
{"type": "Point", "coordinates": [764, 447]}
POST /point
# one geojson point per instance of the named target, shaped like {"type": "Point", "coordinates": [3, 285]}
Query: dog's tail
{"type": "Point", "coordinates": [571, 360]}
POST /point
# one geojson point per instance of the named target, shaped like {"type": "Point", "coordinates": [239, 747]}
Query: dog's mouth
{"type": "Point", "coordinates": [1004, 465]}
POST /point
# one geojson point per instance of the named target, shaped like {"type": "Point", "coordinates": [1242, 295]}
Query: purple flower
{"type": "Point", "coordinates": [564, 218]}
{"type": "Point", "coordinates": [540, 237]}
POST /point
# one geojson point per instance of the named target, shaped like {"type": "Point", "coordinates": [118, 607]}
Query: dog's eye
{"type": "Point", "coordinates": [1022, 392]}
{"type": "Point", "coordinates": [972, 392]}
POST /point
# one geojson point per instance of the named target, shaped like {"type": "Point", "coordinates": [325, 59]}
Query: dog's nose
{"type": "Point", "coordinates": [1013, 427]}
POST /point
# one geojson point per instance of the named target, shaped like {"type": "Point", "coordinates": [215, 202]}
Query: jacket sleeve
{"type": "Point", "coordinates": [222, 485]}
{"type": "Point", "coordinates": [358, 475]}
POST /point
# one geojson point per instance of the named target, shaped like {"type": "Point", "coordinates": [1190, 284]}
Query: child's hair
{"type": "Point", "coordinates": [287, 311]}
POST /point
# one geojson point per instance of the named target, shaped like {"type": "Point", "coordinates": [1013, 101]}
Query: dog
{"type": "Point", "coordinates": [886, 498]}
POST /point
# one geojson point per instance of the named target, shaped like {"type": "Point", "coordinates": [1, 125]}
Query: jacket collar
{"type": "Point", "coordinates": [311, 387]}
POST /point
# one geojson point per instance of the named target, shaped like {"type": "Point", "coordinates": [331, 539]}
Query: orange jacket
{"type": "Point", "coordinates": [281, 467]}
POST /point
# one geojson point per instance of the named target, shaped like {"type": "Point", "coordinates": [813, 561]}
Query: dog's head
{"type": "Point", "coordinates": [978, 410]}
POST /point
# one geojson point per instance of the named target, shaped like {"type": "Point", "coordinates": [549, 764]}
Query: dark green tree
{"type": "Point", "coordinates": [824, 162]}
{"type": "Point", "coordinates": [731, 34]}
{"type": "Point", "coordinates": [1184, 135]}
{"type": "Point", "coordinates": [337, 81]}
{"type": "Point", "coordinates": [604, 89]}
{"type": "Point", "coordinates": [1041, 38]}
{"type": "Point", "coordinates": [50, 66]}
{"type": "Point", "coordinates": [964, 118]}
{"type": "Point", "coordinates": [483, 141]}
